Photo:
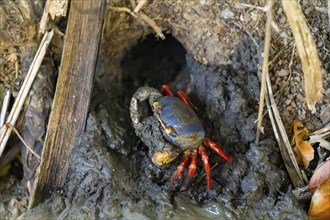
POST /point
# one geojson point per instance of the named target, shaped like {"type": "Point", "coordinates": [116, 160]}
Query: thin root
{"type": "Point", "coordinates": [141, 16]}
{"type": "Point", "coordinates": [23, 141]}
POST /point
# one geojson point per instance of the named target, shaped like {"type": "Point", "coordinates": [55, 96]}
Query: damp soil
{"type": "Point", "coordinates": [111, 174]}
{"type": "Point", "coordinates": [213, 53]}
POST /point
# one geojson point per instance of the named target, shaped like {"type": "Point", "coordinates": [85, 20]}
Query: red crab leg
{"type": "Point", "coordinates": [217, 149]}
{"type": "Point", "coordinates": [192, 167]}
{"type": "Point", "coordinates": [205, 159]}
{"type": "Point", "coordinates": [180, 168]}
{"type": "Point", "coordinates": [166, 90]}
{"type": "Point", "coordinates": [186, 99]}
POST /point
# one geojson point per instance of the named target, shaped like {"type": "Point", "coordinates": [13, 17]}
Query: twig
{"type": "Point", "coordinates": [123, 9]}
{"type": "Point", "coordinates": [152, 24]}
{"type": "Point", "coordinates": [4, 108]}
{"type": "Point", "coordinates": [204, 174]}
{"type": "Point", "coordinates": [320, 137]}
{"type": "Point", "coordinates": [265, 68]}
{"type": "Point", "coordinates": [282, 139]}
{"type": "Point", "coordinates": [24, 142]}
{"type": "Point", "coordinates": [243, 5]}
{"type": "Point", "coordinates": [141, 16]}
{"type": "Point", "coordinates": [16, 109]}
{"type": "Point", "coordinates": [321, 9]}
{"type": "Point", "coordinates": [276, 56]}
{"type": "Point", "coordinates": [139, 6]}
{"type": "Point", "coordinates": [321, 131]}
{"type": "Point", "coordinates": [250, 35]}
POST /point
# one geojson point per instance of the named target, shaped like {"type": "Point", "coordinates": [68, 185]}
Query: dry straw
{"type": "Point", "coordinates": [306, 47]}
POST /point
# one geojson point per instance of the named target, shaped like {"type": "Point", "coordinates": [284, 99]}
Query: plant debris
{"type": "Point", "coordinates": [304, 150]}
{"type": "Point", "coordinates": [307, 51]}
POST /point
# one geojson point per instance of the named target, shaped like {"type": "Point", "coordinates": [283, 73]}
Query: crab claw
{"type": "Point", "coordinates": [142, 94]}
{"type": "Point", "coordinates": [162, 158]}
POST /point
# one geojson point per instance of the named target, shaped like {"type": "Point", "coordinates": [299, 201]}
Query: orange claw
{"type": "Point", "coordinates": [180, 168]}
{"type": "Point", "coordinates": [192, 168]}
{"type": "Point", "coordinates": [217, 149]}
{"type": "Point", "coordinates": [205, 159]}
{"type": "Point", "coordinates": [166, 90]}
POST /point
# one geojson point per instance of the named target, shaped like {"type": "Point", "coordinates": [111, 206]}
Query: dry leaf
{"type": "Point", "coordinates": [299, 130]}
{"type": "Point", "coordinates": [320, 204]}
{"type": "Point", "coordinates": [321, 174]}
{"type": "Point", "coordinates": [304, 150]}
{"type": "Point", "coordinates": [306, 47]}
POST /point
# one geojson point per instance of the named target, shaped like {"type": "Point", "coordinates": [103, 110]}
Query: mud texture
{"type": "Point", "coordinates": [111, 174]}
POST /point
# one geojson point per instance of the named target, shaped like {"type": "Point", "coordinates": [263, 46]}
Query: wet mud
{"type": "Point", "coordinates": [111, 174]}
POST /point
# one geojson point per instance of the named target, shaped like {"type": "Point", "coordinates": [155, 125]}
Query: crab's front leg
{"type": "Point", "coordinates": [142, 94]}
{"type": "Point", "coordinates": [162, 152]}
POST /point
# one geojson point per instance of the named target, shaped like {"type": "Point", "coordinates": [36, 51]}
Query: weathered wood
{"type": "Point", "coordinates": [53, 9]}
{"type": "Point", "coordinates": [72, 96]}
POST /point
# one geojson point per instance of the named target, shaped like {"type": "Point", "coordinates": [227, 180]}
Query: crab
{"type": "Point", "coordinates": [181, 127]}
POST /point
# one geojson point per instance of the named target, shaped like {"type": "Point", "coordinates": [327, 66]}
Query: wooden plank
{"type": "Point", "coordinates": [72, 96]}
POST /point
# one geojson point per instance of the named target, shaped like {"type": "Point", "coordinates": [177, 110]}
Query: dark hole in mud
{"type": "Point", "coordinates": [153, 62]}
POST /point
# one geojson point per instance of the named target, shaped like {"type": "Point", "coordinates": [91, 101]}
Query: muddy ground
{"type": "Point", "coordinates": [112, 175]}
{"type": "Point", "coordinates": [212, 51]}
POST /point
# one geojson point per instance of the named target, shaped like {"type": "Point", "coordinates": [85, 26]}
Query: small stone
{"type": "Point", "coordinates": [227, 13]}
{"type": "Point", "coordinates": [283, 20]}
{"type": "Point", "coordinates": [286, 113]}
{"type": "Point", "coordinates": [309, 10]}
{"type": "Point", "coordinates": [301, 114]}
{"type": "Point", "coordinates": [325, 113]}
{"type": "Point", "coordinates": [287, 102]}
{"type": "Point", "coordinates": [300, 97]}
{"type": "Point", "coordinates": [293, 90]}
{"type": "Point", "coordinates": [282, 72]}
{"type": "Point", "coordinates": [309, 126]}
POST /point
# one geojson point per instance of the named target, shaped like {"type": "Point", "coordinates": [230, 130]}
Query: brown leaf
{"type": "Point", "coordinates": [299, 130]}
{"type": "Point", "coordinates": [321, 174]}
{"type": "Point", "coordinates": [320, 204]}
{"type": "Point", "coordinates": [304, 150]}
